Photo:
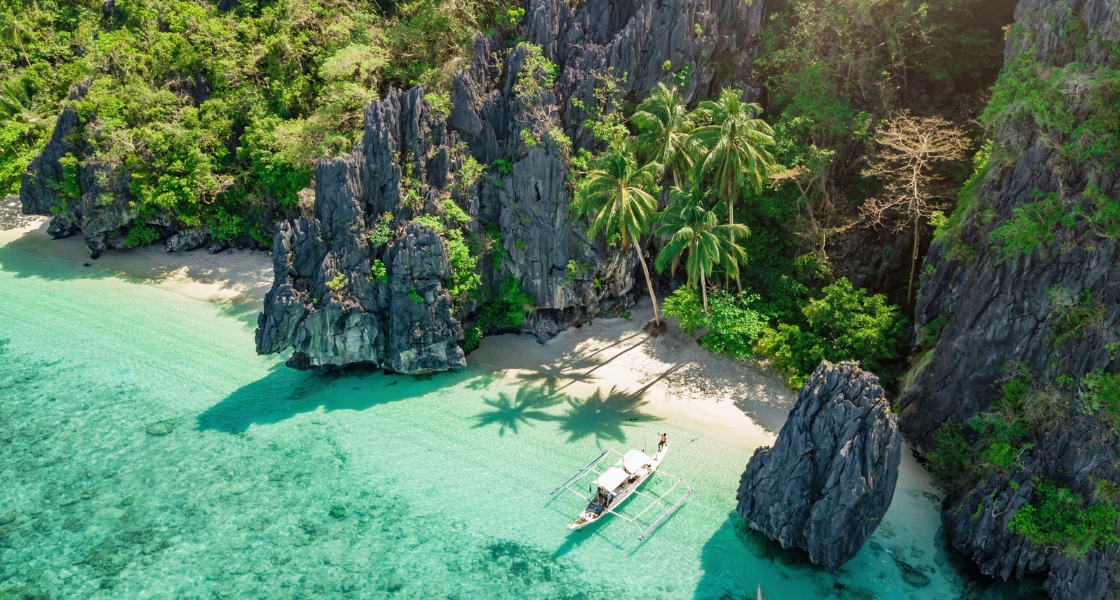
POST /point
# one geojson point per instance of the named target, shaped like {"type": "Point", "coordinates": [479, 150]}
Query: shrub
{"type": "Point", "coordinates": [845, 324]}
{"type": "Point", "coordinates": [1031, 226]}
{"type": "Point", "coordinates": [1102, 390]}
{"type": "Point", "coordinates": [382, 232]}
{"type": "Point", "coordinates": [337, 283]}
{"type": "Point", "coordinates": [1073, 315]}
{"type": "Point", "coordinates": [378, 272]}
{"type": "Point", "coordinates": [951, 460]}
{"type": "Point", "coordinates": [731, 326]}
{"type": "Point", "coordinates": [1056, 520]}
{"type": "Point", "coordinates": [415, 296]}
{"type": "Point", "coordinates": [141, 234]}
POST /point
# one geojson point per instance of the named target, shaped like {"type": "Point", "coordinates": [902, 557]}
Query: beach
{"type": "Point", "coordinates": [671, 376]}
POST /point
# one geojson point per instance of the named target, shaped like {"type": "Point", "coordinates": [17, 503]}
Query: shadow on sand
{"type": "Point", "coordinates": [35, 254]}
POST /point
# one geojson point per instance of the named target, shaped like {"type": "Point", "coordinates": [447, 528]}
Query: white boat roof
{"type": "Point", "coordinates": [612, 478]}
{"type": "Point", "coordinates": [635, 459]}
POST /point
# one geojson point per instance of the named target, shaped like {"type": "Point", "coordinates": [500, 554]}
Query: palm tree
{"type": "Point", "coordinates": [733, 149]}
{"type": "Point", "coordinates": [694, 229]}
{"type": "Point", "coordinates": [14, 29]}
{"type": "Point", "coordinates": [663, 122]}
{"type": "Point", "coordinates": [614, 193]}
{"type": "Point", "coordinates": [17, 105]}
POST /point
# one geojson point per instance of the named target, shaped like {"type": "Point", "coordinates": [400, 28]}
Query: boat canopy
{"type": "Point", "coordinates": [612, 478]}
{"type": "Point", "coordinates": [634, 460]}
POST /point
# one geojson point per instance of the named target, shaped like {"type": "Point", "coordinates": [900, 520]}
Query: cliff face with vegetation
{"type": "Point", "coordinates": [1015, 393]}
{"type": "Point", "coordinates": [487, 185]}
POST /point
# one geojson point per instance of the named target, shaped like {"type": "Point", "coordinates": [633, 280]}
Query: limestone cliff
{"type": "Point", "coordinates": [411, 161]}
{"type": "Point", "coordinates": [831, 474]}
{"type": "Point", "coordinates": [1043, 307]}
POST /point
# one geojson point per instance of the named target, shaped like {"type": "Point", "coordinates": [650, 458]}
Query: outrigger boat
{"type": "Point", "coordinates": [619, 482]}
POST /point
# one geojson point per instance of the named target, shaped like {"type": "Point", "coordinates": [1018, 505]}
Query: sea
{"type": "Point", "coordinates": [146, 451]}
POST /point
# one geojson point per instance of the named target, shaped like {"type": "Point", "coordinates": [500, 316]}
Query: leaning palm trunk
{"type": "Point", "coordinates": [649, 284]}
{"type": "Point", "coordinates": [703, 288]}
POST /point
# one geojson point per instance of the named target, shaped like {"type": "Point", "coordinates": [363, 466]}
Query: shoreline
{"type": "Point", "coordinates": [233, 277]}
{"type": "Point", "coordinates": [669, 377]}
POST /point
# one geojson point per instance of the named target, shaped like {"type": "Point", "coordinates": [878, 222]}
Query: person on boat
{"type": "Point", "coordinates": [664, 442]}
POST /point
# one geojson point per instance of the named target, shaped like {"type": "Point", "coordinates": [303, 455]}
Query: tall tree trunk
{"type": "Point", "coordinates": [913, 267]}
{"type": "Point", "coordinates": [731, 221]}
{"type": "Point", "coordinates": [649, 284]}
{"type": "Point", "coordinates": [703, 288]}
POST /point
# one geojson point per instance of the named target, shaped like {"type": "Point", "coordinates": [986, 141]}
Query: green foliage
{"type": "Point", "coordinates": [1102, 390]}
{"type": "Point", "coordinates": [731, 326]}
{"type": "Point", "coordinates": [382, 231]}
{"type": "Point", "coordinates": [415, 296]}
{"type": "Point", "coordinates": [1057, 520]}
{"type": "Point", "coordinates": [951, 459]}
{"type": "Point", "coordinates": [967, 200]}
{"type": "Point", "coordinates": [497, 251]}
{"type": "Point", "coordinates": [337, 283]}
{"type": "Point", "coordinates": [575, 270]}
{"type": "Point", "coordinates": [216, 118]}
{"type": "Point", "coordinates": [1073, 315]}
{"type": "Point", "coordinates": [470, 172]}
{"type": "Point", "coordinates": [845, 324]}
{"type": "Point", "coordinates": [1103, 214]}
{"type": "Point", "coordinates": [503, 165]}
{"type": "Point", "coordinates": [464, 267]}
{"type": "Point", "coordinates": [471, 337]}
{"type": "Point", "coordinates": [1073, 106]}
{"type": "Point", "coordinates": [506, 311]}
{"type": "Point", "coordinates": [378, 271]}
{"type": "Point", "coordinates": [68, 188]}
{"type": "Point", "coordinates": [140, 234]}
{"type": "Point", "coordinates": [1031, 226]}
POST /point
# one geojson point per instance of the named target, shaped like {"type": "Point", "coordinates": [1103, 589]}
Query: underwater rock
{"type": "Point", "coordinates": [163, 427]}
{"type": "Point", "coordinates": [827, 482]}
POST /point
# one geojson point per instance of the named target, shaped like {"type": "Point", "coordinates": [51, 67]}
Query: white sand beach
{"type": "Point", "coordinates": [671, 376]}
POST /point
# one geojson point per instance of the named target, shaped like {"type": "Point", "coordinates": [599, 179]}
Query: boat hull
{"type": "Point", "coordinates": [588, 516]}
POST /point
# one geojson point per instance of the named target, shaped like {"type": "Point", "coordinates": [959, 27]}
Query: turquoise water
{"type": "Point", "coordinates": [273, 483]}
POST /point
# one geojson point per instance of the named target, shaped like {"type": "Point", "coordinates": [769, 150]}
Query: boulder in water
{"type": "Point", "coordinates": [827, 482]}
{"type": "Point", "coordinates": [163, 427]}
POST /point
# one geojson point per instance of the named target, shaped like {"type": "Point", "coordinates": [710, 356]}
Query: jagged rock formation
{"type": "Point", "coordinates": [831, 474]}
{"type": "Point", "coordinates": [997, 313]}
{"type": "Point", "coordinates": [406, 149]}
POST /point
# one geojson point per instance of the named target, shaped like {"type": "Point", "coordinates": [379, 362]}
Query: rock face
{"type": "Point", "coordinates": [410, 162]}
{"type": "Point", "coordinates": [984, 314]}
{"type": "Point", "coordinates": [831, 474]}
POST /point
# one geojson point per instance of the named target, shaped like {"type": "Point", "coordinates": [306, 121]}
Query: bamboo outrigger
{"type": "Point", "coordinates": [618, 483]}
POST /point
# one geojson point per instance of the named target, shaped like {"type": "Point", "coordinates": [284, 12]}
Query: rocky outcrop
{"type": "Point", "coordinates": [831, 474]}
{"type": "Point", "coordinates": [188, 239]}
{"type": "Point", "coordinates": [986, 314]}
{"type": "Point", "coordinates": [410, 162]}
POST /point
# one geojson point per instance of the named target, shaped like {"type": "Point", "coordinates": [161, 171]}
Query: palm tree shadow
{"type": "Point", "coordinates": [511, 413]}
{"type": "Point", "coordinates": [604, 415]}
{"type": "Point", "coordinates": [557, 376]}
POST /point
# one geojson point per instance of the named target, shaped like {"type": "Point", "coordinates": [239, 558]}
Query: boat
{"type": "Point", "coordinates": [613, 486]}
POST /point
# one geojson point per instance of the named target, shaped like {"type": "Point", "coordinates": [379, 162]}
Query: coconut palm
{"type": "Point", "coordinates": [697, 238]}
{"type": "Point", "coordinates": [17, 105]}
{"type": "Point", "coordinates": [14, 28]}
{"type": "Point", "coordinates": [614, 194]}
{"type": "Point", "coordinates": [664, 123]}
{"type": "Point", "coordinates": [733, 149]}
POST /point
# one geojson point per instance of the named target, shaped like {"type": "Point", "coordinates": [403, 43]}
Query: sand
{"type": "Point", "coordinates": [233, 277]}
{"type": "Point", "coordinates": [671, 376]}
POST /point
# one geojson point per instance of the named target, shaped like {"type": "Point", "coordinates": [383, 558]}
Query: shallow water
{"type": "Point", "coordinates": [147, 452]}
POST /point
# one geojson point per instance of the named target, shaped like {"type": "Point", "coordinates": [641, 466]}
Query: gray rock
{"type": "Point", "coordinates": [188, 239]}
{"type": "Point", "coordinates": [997, 313]}
{"type": "Point", "coordinates": [828, 480]}
{"type": "Point", "coordinates": [163, 427]}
